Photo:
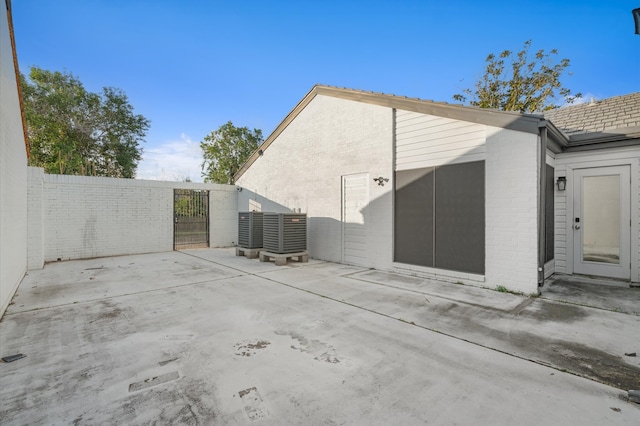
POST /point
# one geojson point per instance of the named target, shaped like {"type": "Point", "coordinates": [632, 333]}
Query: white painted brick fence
{"type": "Point", "coordinates": [77, 217]}
{"type": "Point", "coordinates": [13, 173]}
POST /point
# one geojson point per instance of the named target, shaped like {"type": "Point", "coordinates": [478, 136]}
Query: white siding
{"type": "Point", "coordinates": [13, 174]}
{"type": "Point", "coordinates": [425, 141]}
{"type": "Point", "coordinates": [84, 217]}
{"type": "Point", "coordinates": [302, 171]}
{"type": "Point", "coordinates": [565, 163]}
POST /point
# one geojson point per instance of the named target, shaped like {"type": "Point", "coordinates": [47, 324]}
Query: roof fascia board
{"type": "Point", "coordinates": [556, 140]}
{"type": "Point", "coordinates": [603, 145]}
{"type": "Point", "coordinates": [607, 136]}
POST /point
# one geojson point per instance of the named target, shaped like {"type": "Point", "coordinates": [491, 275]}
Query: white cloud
{"type": "Point", "coordinates": [586, 97]}
{"type": "Point", "coordinates": [172, 161]}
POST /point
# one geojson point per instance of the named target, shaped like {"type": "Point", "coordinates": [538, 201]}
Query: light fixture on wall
{"type": "Point", "coordinates": [562, 183]}
{"type": "Point", "coordinates": [381, 180]}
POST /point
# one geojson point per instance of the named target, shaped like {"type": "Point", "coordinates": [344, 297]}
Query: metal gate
{"type": "Point", "coordinates": [191, 218]}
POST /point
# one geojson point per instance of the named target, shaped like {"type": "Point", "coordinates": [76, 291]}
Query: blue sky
{"type": "Point", "coordinates": [190, 66]}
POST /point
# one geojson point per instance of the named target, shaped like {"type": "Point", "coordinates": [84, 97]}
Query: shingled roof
{"type": "Point", "coordinates": [597, 116]}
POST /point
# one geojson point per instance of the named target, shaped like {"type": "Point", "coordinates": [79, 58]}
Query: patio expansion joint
{"type": "Point", "coordinates": [527, 300]}
{"type": "Point", "coordinates": [79, 303]}
{"type": "Point", "coordinates": [257, 274]}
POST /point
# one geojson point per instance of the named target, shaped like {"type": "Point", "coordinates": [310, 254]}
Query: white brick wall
{"type": "Point", "coordinates": [13, 174]}
{"type": "Point", "coordinates": [223, 220]}
{"type": "Point", "coordinates": [35, 217]}
{"type": "Point", "coordinates": [303, 169]}
{"type": "Point", "coordinates": [86, 217]}
{"type": "Point", "coordinates": [511, 210]}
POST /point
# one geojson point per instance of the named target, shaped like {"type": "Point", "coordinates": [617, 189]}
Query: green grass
{"type": "Point", "coordinates": [503, 289]}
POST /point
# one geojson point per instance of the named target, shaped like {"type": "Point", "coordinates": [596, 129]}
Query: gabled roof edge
{"type": "Point", "coordinates": [505, 119]}
{"type": "Point", "coordinates": [18, 83]}
{"type": "Point", "coordinates": [558, 140]}
{"type": "Point", "coordinates": [279, 129]}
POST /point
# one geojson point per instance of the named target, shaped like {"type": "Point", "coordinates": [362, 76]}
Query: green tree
{"type": "Point", "coordinates": [73, 131]}
{"type": "Point", "coordinates": [225, 150]}
{"type": "Point", "coordinates": [520, 83]}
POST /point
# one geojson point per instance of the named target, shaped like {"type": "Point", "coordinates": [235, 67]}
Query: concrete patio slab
{"type": "Point", "coordinates": [62, 283]}
{"type": "Point", "coordinates": [304, 344]}
{"type": "Point", "coordinates": [611, 295]}
{"type": "Point", "coordinates": [547, 332]}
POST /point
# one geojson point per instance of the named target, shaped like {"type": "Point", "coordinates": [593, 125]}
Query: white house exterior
{"type": "Point", "coordinates": [438, 190]}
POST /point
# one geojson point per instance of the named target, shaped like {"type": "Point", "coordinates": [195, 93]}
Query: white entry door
{"type": "Point", "coordinates": [602, 222]}
{"type": "Point", "coordinates": [355, 197]}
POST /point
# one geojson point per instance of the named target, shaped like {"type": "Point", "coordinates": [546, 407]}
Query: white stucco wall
{"type": "Point", "coordinates": [83, 217]}
{"type": "Point", "coordinates": [303, 169]}
{"type": "Point", "coordinates": [565, 163]}
{"type": "Point", "coordinates": [13, 174]}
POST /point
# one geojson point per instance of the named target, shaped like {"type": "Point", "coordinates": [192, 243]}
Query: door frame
{"type": "Point", "coordinates": [622, 270]}
{"type": "Point", "coordinates": [199, 201]}
{"type": "Point", "coordinates": [634, 201]}
{"type": "Point", "coordinates": [343, 180]}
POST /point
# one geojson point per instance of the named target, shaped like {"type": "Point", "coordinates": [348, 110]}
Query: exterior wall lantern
{"type": "Point", "coordinates": [381, 180]}
{"type": "Point", "coordinates": [562, 183]}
